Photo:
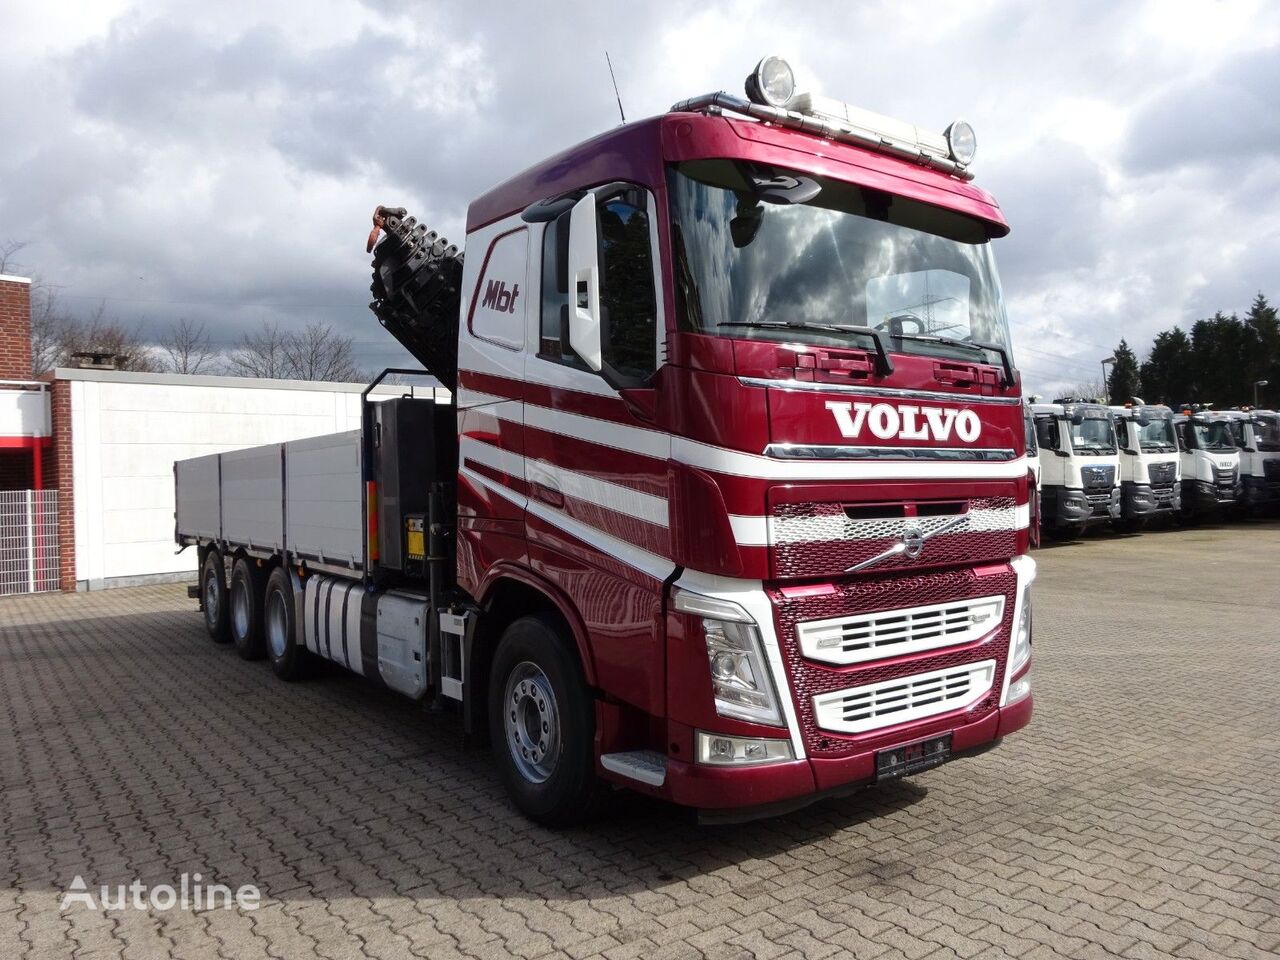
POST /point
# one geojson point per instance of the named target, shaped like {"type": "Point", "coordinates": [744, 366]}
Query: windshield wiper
{"type": "Point", "coordinates": [967, 345]}
{"type": "Point", "coordinates": [884, 364]}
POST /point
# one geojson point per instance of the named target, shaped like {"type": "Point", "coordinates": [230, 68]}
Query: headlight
{"type": "Point", "coordinates": [740, 677]}
{"type": "Point", "coordinates": [771, 83]}
{"type": "Point", "coordinates": [962, 142]}
{"type": "Point", "coordinates": [1022, 638]}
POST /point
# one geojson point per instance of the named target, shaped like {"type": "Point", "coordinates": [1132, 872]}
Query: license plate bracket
{"type": "Point", "coordinates": [910, 758]}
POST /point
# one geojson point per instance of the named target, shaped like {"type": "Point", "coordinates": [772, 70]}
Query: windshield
{"type": "Point", "coordinates": [1157, 435]}
{"type": "Point", "coordinates": [1214, 435]}
{"type": "Point", "coordinates": [845, 255]}
{"type": "Point", "coordinates": [1093, 437]}
{"type": "Point", "coordinates": [1266, 432]}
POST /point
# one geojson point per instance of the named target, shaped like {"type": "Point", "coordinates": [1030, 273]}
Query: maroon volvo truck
{"type": "Point", "coordinates": [730, 502]}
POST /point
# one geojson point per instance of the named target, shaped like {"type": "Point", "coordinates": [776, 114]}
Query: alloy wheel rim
{"type": "Point", "coordinates": [277, 624]}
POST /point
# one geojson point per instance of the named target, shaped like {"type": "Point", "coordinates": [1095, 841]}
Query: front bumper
{"type": "Point", "coordinates": [1141, 500]}
{"type": "Point", "coordinates": [1077, 508]}
{"type": "Point", "coordinates": [1260, 493]}
{"type": "Point", "coordinates": [1203, 496]}
{"type": "Point", "coordinates": [744, 788]}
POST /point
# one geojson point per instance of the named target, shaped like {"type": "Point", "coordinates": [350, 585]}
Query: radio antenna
{"type": "Point", "coordinates": [615, 86]}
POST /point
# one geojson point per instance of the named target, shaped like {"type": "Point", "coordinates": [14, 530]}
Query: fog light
{"type": "Point", "coordinates": [1018, 689]}
{"type": "Point", "coordinates": [771, 83]}
{"type": "Point", "coordinates": [962, 142]}
{"type": "Point", "coordinates": [717, 749]}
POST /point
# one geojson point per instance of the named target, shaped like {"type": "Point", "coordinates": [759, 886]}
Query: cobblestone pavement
{"type": "Point", "coordinates": [1138, 816]}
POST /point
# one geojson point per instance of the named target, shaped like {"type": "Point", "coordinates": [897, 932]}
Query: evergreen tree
{"type": "Point", "coordinates": [1167, 373]}
{"type": "Point", "coordinates": [1262, 336]}
{"type": "Point", "coordinates": [1124, 380]}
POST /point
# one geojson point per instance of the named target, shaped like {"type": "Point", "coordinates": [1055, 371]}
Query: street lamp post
{"type": "Point", "coordinates": [1256, 385]}
{"type": "Point", "coordinates": [1105, 388]}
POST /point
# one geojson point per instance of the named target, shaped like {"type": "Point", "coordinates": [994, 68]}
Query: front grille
{"type": "Point", "coordinates": [1162, 474]}
{"type": "Point", "coordinates": [858, 639]}
{"type": "Point", "coordinates": [1225, 477]}
{"type": "Point", "coordinates": [821, 539]}
{"type": "Point", "coordinates": [1163, 493]}
{"type": "Point", "coordinates": [1098, 480]}
{"type": "Point", "coordinates": [869, 595]}
{"type": "Point", "coordinates": [892, 702]}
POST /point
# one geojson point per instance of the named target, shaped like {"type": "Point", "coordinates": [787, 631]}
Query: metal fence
{"type": "Point", "coordinates": [28, 541]}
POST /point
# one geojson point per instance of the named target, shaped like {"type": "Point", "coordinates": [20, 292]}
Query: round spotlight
{"type": "Point", "coordinates": [962, 142]}
{"type": "Point", "coordinates": [771, 83]}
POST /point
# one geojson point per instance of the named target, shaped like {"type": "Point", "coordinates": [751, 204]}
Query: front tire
{"type": "Point", "coordinates": [542, 724]}
{"type": "Point", "coordinates": [213, 597]}
{"type": "Point", "coordinates": [246, 610]}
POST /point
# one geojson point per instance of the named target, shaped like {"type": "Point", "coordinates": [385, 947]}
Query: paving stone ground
{"type": "Point", "coordinates": [1139, 815]}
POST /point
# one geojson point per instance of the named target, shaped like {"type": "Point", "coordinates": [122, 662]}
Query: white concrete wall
{"type": "Point", "coordinates": [24, 412]}
{"type": "Point", "coordinates": [128, 429]}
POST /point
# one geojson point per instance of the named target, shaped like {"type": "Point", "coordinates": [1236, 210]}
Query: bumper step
{"type": "Point", "coordinates": [646, 766]}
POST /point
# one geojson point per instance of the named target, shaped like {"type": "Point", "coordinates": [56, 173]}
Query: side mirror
{"type": "Point", "coordinates": [584, 282]}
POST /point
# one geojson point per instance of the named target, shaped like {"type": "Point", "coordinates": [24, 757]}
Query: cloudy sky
{"type": "Point", "coordinates": [219, 161]}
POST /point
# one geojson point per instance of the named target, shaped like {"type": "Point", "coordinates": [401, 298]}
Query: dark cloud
{"type": "Point", "coordinates": [220, 161]}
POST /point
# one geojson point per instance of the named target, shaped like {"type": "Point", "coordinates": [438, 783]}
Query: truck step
{"type": "Point", "coordinates": [647, 766]}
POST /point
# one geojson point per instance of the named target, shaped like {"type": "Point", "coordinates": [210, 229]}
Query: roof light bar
{"type": "Point", "coordinates": [771, 97]}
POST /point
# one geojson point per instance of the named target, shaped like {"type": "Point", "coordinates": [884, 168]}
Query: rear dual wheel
{"type": "Point", "coordinates": [213, 596]}
{"type": "Point", "coordinates": [246, 609]}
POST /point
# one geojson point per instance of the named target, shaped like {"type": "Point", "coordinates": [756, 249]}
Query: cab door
{"type": "Point", "coordinates": [595, 459]}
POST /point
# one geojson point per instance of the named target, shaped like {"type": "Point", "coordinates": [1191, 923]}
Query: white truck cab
{"type": "Point", "coordinates": [1149, 462]}
{"type": "Point", "coordinates": [1258, 437]}
{"type": "Point", "coordinates": [1033, 470]}
{"type": "Point", "coordinates": [1079, 465]}
{"type": "Point", "coordinates": [1210, 461]}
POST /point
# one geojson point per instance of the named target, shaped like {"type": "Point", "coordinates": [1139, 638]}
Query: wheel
{"type": "Point", "coordinates": [542, 724]}
{"type": "Point", "coordinates": [213, 597]}
{"type": "Point", "coordinates": [246, 610]}
{"type": "Point", "coordinates": [288, 658]}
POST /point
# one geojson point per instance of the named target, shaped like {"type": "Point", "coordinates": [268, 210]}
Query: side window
{"type": "Point", "coordinates": [628, 306]}
{"type": "Point", "coordinates": [553, 339]}
{"type": "Point", "coordinates": [1047, 433]}
{"type": "Point", "coordinates": [497, 307]}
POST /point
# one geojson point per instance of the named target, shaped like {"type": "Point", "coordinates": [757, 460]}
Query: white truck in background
{"type": "Point", "coordinates": [1210, 461]}
{"type": "Point", "coordinates": [1149, 463]}
{"type": "Point", "coordinates": [1079, 465]}
{"type": "Point", "coordinates": [1033, 470]}
{"type": "Point", "coordinates": [1258, 437]}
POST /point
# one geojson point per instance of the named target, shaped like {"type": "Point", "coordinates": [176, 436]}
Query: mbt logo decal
{"type": "Point", "coordinates": [904, 422]}
{"type": "Point", "coordinates": [498, 297]}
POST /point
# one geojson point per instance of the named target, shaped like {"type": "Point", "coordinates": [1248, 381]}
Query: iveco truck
{"type": "Point", "coordinates": [1258, 437]}
{"type": "Point", "coordinates": [1210, 462]}
{"type": "Point", "coordinates": [1150, 480]}
{"type": "Point", "coordinates": [1079, 466]}
{"type": "Point", "coordinates": [730, 504]}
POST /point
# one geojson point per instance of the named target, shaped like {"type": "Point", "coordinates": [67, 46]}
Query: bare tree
{"type": "Point", "coordinates": [47, 325]}
{"type": "Point", "coordinates": [1093, 388]}
{"type": "Point", "coordinates": [189, 348]}
{"type": "Point", "coordinates": [260, 354]}
{"type": "Point", "coordinates": [8, 250]}
{"type": "Point", "coordinates": [101, 334]}
{"type": "Point", "coordinates": [317, 352]}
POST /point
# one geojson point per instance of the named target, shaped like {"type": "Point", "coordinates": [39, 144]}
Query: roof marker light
{"type": "Point", "coordinates": [962, 142]}
{"type": "Point", "coordinates": [771, 83]}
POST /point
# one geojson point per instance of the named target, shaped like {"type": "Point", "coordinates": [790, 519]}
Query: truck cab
{"type": "Point", "coordinates": [1210, 459]}
{"type": "Point", "coordinates": [1079, 464]}
{"type": "Point", "coordinates": [1258, 437]}
{"type": "Point", "coordinates": [1150, 478]}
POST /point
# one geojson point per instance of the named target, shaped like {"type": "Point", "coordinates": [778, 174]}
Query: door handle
{"type": "Point", "coordinates": [546, 491]}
